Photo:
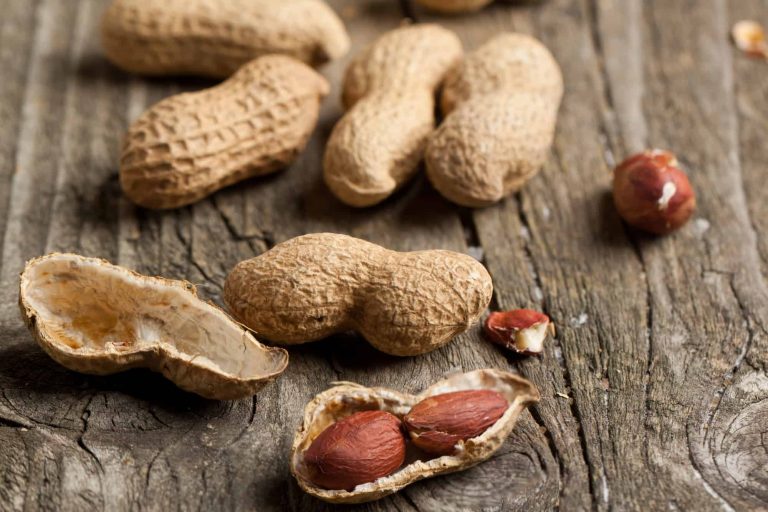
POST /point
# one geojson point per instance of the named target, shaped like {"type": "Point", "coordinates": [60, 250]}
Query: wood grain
{"type": "Point", "coordinates": [654, 390]}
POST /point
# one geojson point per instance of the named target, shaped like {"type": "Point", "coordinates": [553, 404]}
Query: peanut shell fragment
{"type": "Point", "coordinates": [94, 317]}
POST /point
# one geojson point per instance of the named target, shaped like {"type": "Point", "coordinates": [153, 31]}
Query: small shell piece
{"type": "Point", "coordinates": [345, 399]}
{"type": "Point", "coordinates": [193, 144]}
{"type": "Point", "coordinates": [389, 91]}
{"type": "Point", "coordinates": [215, 37]}
{"type": "Point", "coordinates": [98, 318]}
{"type": "Point", "coordinates": [749, 37]}
{"type": "Point", "coordinates": [403, 303]}
{"type": "Point", "coordinates": [501, 109]}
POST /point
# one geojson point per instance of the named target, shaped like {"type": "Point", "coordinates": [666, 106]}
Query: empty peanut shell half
{"type": "Point", "coordinates": [98, 318]}
{"type": "Point", "coordinates": [348, 398]}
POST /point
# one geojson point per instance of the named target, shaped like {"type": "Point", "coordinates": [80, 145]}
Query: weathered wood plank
{"type": "Point", "coordinates": [16, 40]}
{"type": "Point", "coordinates": [661, 350]}
{"type": "Point", "coordinates": [133, 440]}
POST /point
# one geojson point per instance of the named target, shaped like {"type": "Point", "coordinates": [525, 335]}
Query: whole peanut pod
{"type": "Point", "coordinates": [214, 38]}
{"type": "Point", "coordinates": [389, 90]}
{"type": "Point", "coordinates": [501, 105]}
{"type": "Point", "coordinates": [312, 286]}
{"type": "Point", "coordinates": [190, 145]}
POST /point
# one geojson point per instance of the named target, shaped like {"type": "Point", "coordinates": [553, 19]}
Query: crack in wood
{"type": "Point", "coordinates": [265, 237]}
{"type": "Point", "coordinates": [86, 413]}
{"type": "Point", "coordinates": [406, 7]}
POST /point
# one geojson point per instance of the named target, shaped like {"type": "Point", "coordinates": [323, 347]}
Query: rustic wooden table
{"type": "Point", "coordinates": [654, 392]}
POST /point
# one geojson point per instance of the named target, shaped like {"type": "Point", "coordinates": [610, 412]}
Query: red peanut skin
{"type": "Point", "coordinates": [356, 450]}
{"type": "Point", "coordinates": [638, 184]}
{"type": "Point", "coordinates": [438, 423]}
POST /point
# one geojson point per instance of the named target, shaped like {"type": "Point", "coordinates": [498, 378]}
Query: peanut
{"type": "Point", "coordinates": [356, 450]}
{"type": "Point", "coordinates": [94, 317]}
{"type": "Point", "coordinates": [316, 285]}
{"type": "Point", "coordinates": [190, 145]}
{"type": "Point", "coordinates": [454, 6]}
{"type": "Point", "coordinates": [501, 105]}
{"type": "Point", "coordinates": [475, 424]}
{"type": "Point", "coordinates": [439, 423]}
{"type": "Point", "coordinates": [389, 90]}
{"type": "Point", "coordinates": [214, 38]}
{"type": "Point", "coordinates": [651, 192]}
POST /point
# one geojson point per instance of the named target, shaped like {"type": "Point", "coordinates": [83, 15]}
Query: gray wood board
{"type": "Point", "coordinates": [654, 391]}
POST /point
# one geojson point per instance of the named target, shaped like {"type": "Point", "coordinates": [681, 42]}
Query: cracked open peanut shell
{"type": "Point", "coordinates": [348, 398]}
{"type": "Point", "coordinates": [94, 317]}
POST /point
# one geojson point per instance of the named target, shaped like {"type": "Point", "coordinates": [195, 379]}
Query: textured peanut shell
{"type": "Point", "coordinates": [94, 317]}
{"type": "Point", "coordinates": [501, 105]}
{"type": "Point", "coordinates": [389, 90]}
{"type": "Point", "coordinates": [454, 6]}
{"type": "Point", "coordinates": [191, 145]}
{"type": "Point", "coordinates": [312, 286]}
{"type": "Point", "coordinates": [348, 398]}
{"type": "Point", "coordinates": [214, 38]}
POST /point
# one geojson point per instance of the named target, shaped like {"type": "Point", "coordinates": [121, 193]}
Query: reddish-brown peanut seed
{"type": "Point", "coordinates": [652, 193]}
{"type": "Point", "coordinates": [521, 330]}
{"type": "Point", "coordinates": [438, 423]}
{"type": "Point", "coordinates": [356, 450]}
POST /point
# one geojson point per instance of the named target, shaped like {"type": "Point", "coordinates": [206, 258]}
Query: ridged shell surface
{"type": "Point", "coordinates": [389, 90]}
{"type": "Point", "coordinates": [312, 286]}
{"type": "Point", "coordinates": [214, 38]}
{"type": "Point", "coordinates": [190, 145]}
{"type": "Point", "coordinates": [501, 110]}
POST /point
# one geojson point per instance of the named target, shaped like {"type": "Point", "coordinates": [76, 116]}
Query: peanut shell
{"type": "Point", "coordinates": [501, 105]}
{"type": "Point", "coordinates": [94, 317]}
{"type": "Point", "coordinates": [191, 145]}
{"type": "Point", "coordinates": [214, 38]}
{"type": "Point", "coordinates": [389, 92]}
{"type": "Point", "coordinates": [347, 398]}
{"type": "Point", "coordinates": [312, 286]}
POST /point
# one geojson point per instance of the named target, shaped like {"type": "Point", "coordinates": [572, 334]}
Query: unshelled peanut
{"type": "Point", "coordinates": [190, 145]}
{"type": "Point", "coordinates": [389, 90]}
{"type": "Point", "coordinates": [501, 105]}
{"type": "Point", "coordinates": [312, 286]}
{"type": "Point", "coordinates": [216, 37]}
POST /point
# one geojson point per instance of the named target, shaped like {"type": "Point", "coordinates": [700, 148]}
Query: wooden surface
{"type": "Point", "coordinates": [655, 393]}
